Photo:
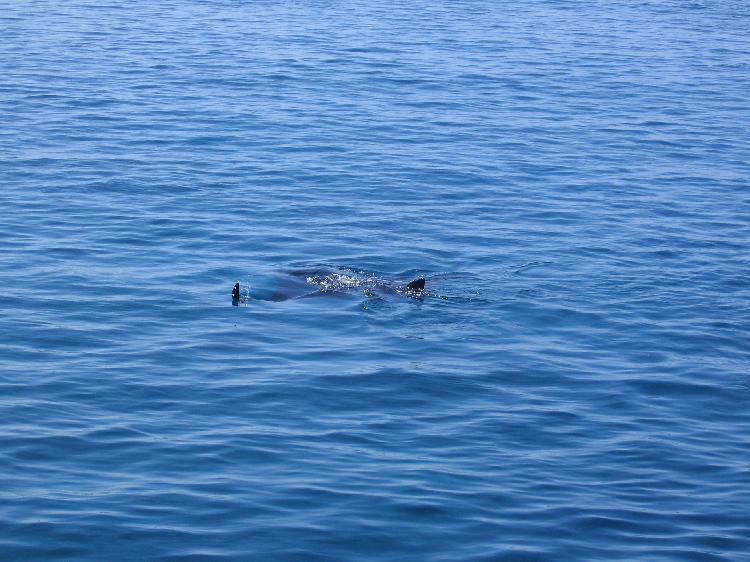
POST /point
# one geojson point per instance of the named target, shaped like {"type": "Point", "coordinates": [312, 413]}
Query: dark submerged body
{"type": "Point", "coordinates": [312, 283]}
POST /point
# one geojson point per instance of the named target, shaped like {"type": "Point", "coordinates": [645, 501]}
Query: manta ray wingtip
{"type": "Point", "coordinates": [416, 286]}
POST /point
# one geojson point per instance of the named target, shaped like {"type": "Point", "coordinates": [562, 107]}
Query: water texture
{"type": "Point", "coordinates": [571, 178]}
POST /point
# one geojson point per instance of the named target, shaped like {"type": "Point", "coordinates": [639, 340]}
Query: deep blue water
{"type": "Point", "coordinates": [571, 178]}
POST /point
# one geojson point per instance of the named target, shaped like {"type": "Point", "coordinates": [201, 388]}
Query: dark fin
{"type": "Point", "coordinates": [236, 292]}
{"type": "Point", "coordinates": [416, 286]}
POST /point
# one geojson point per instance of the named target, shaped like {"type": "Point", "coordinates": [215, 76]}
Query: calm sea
{"type": "Point", "coordinates": [571, 179]}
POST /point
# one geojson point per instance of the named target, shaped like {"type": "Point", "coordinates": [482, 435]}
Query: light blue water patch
{"type": "Point", "coordinates": [570, 178]}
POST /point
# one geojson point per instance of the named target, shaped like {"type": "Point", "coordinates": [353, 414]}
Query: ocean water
{"type": "Point", "coordinates": [571, 179]}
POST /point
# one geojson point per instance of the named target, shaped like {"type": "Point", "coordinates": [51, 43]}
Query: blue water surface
{"type": "Point", "coordinates": [571, 178]}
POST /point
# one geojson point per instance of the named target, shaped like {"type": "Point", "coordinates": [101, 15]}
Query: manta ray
{"type": "Point", "coordinates": [299, 284]}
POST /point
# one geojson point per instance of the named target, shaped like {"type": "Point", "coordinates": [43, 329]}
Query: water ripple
{"type": "Point", "coordinates": [569, 178]}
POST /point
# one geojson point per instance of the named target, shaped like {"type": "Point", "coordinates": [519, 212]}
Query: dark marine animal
{"type": "Point", "coordinates": [320, 282]}
{"type": "Point", "coordinates": [416, 286]}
